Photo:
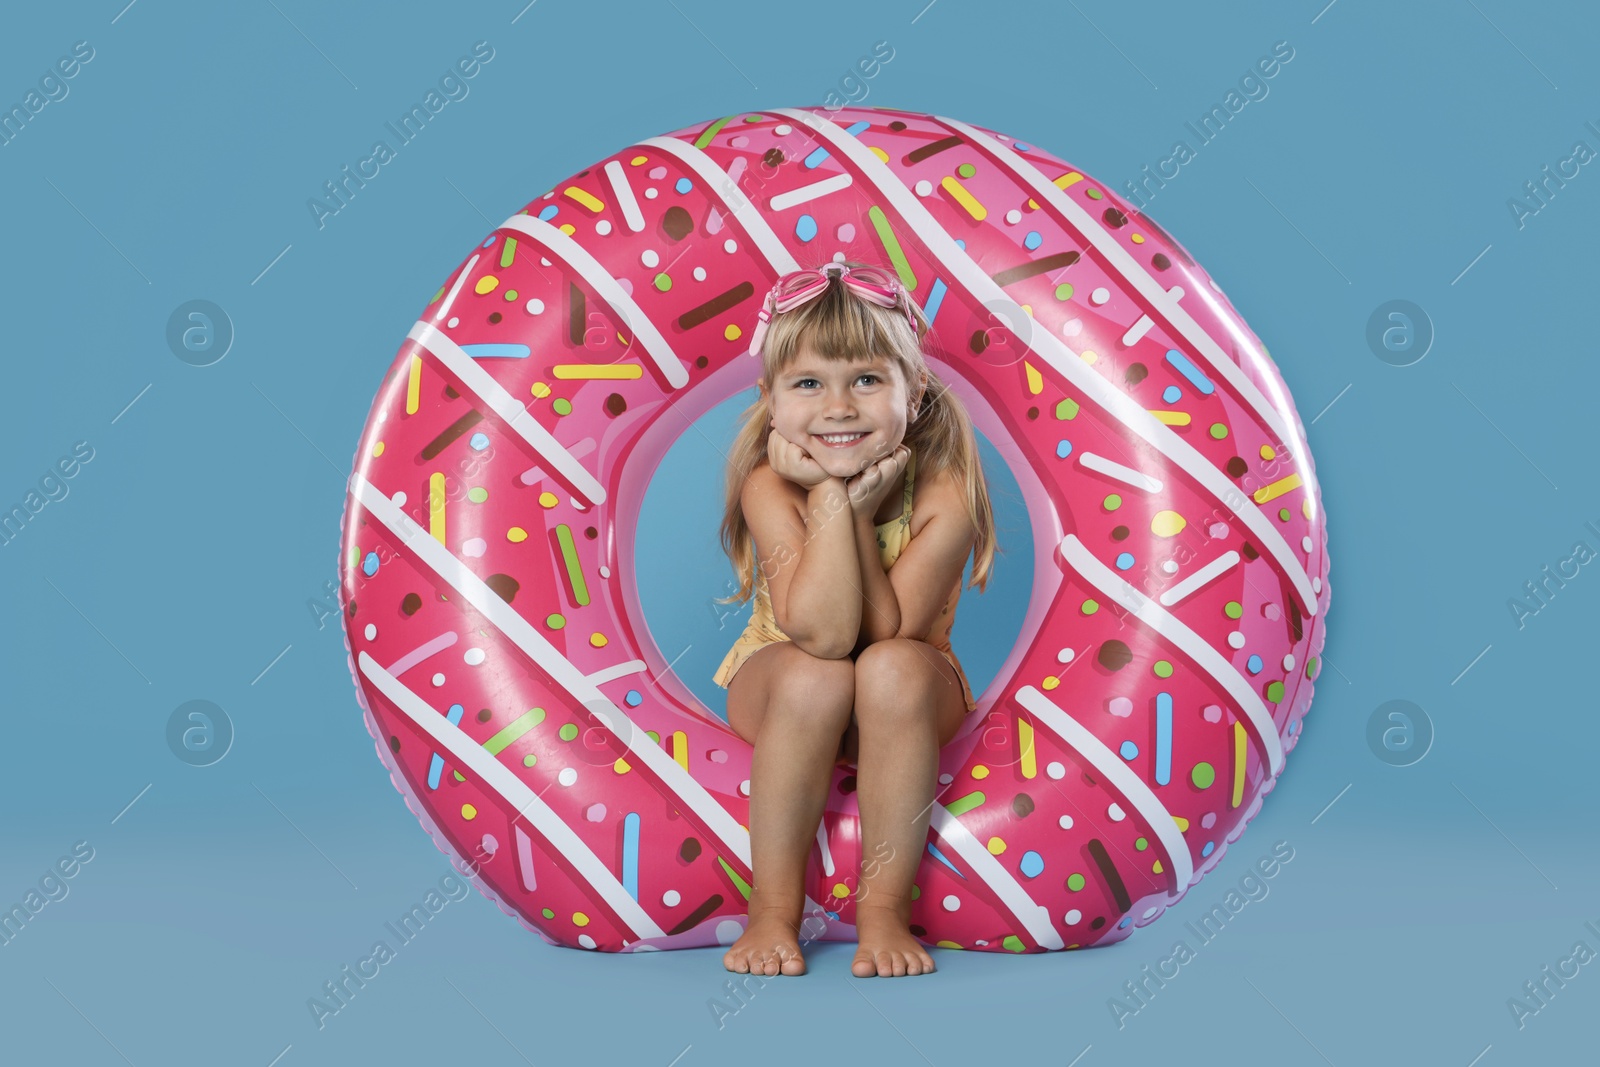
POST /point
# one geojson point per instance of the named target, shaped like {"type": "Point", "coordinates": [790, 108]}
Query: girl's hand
{"type": "Point", "coordinates": [868, 488]}
{"type": "Point", "coordinates": [794, 462]}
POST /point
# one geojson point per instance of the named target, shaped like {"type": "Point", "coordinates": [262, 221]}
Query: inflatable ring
{"type": "Point", "coordinates": [488, 544]}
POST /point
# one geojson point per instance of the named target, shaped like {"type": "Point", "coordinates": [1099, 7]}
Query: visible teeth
{"type": "Point", "coordinates": [841, 438]}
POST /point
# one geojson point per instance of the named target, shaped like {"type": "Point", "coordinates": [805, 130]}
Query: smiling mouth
{"type": "Point", "coordinates": [841, 440]}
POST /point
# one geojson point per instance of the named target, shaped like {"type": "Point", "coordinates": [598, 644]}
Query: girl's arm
{"type": "Point", "coordinates": [916, 587]}
{"type": "Point", "coordinates": [810, 538]}
{"type": "Point", "coordinates": [880, 608]}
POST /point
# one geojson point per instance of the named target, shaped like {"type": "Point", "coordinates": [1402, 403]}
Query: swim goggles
{"type": "Point", "coordinates": [873, 284]}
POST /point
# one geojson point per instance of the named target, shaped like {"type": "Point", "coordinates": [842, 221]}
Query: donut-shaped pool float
{"type": "Point", "coordinates": [488, 589]}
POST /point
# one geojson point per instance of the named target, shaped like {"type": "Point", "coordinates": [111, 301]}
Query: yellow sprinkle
{"type": "Point", "coordinates": [377, 450]}
{"type": "Point", "coordinates": [732, 332]}
{"type": "Point", "coordinates": [1167, 524]}
{"type": "Point", "coordinates": [567, 228]}
{"type": "Point", "coordinates": [946, 944]}
{"type": "Point", "coordinates": [414, 385]}
{"type": "Point", "coordinates": [1029, 309]}
{"type": "Point", "coordinates": [598, 370]}
{"type": "Point", "coordinates": [1030, 766]}
{"type": "Point", "coordinates": [621, 766]}
{"type": "Point", "coordinates": [1035, 379]}
{"type": "Point", "coordinates": [1267, 452]}
{"type": "Point", "coordinates": [1277, 488]}
{"type": "Point", "coordinates": [1088, 357]}
{"type": "Point", "coordinates": [597, 640]}
{"type": "Point", "coordinates": [980, 772]}
{"type": "Point", "coordinates": [516, 535]}
{"type": "Point", "coordinates": [638, 161]}
{"type": "Point", "coordinates": [1156, 867]}
{"type": "Point", "coordinates": [996, 846]}
{"type": "Point", "coordinates": [680, 748]}
{"type": "Point", "coordinates": [540, 390]}
{"type": "Point", "coordinates": [1305, 507]}
{"type": "Point", "coordinates": [436, 508]}
{"type": "Point", "coordinates": [580, 919]}
{"type": "Point", "coordinates": [840, 890]}
{"type": "Point", "coordinates": [1183, 824]}
{"type": "Point", "coordinates": [468, 811]}
{"type": "Point", "coordinates": [1137, 238]}
{"type": "Point", "coordinates": [1171, 418]}
{"type": "Point", "coordinates": [584, 197]}
{"type": "Point", "coordinates": [959, 193]}
{"type": "Point", "coordinates": [880, 153]}
{"type": "Point", "coordinates": [486, 284]}
{"type": "Point", "coordinates": [1050, 682]}
{"type": "Point", "coordinates": [547, 499]}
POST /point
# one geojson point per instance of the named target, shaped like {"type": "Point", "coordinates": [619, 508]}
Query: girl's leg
{"type": "Point", "coordinates": [794, 708]}
{"type": "Point", "coordinates": [908, 704]}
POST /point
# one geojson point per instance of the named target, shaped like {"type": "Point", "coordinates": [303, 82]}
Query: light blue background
{"type": "Point", "coordinates": [1378, 167]}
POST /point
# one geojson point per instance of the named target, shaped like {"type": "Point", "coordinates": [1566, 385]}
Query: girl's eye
{"type": "Point", "coordinates": [806, 383]}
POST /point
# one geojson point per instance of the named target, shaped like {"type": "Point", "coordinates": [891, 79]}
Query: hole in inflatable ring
{"type": "Point", "coordinates": [681, 570]}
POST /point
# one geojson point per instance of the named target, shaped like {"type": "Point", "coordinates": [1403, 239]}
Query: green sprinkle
{"type": "Point", "coordinates": [1014, 943]}
{"type": "Point", "coordinates": [1162, 668]}
{"type": "Point", "coordinates": [1203, 775]}
{"type": "Point", "coordinates": [568, 731]}
{"type": "Point", "coordinates": [663, 281]}
{"type": "Point", "coordinates": [966, 170]}
{"type": "Point", "coordinates": [1233, 609]}
{"type": "Point", "coordinates": [1067, 409]}
{"type": "Point", "coordinates": [1275, 692]}
{"type": "Point", "coordinates": [1218, 431]}
{"type": "Point", "coordinates": [1090, 607]}
{"type": "Point", "coordinates": [1075, 882]}
{"type": "Point", "coordinates": [1064, 291]}
{"type": "Point", "coordinates": [562, 406]}
{"type": "Point", "coordinates": [961, 805]}
{"type": "Point", "coordinates": [1113, 502]}
{"type": "Point", "coordinates": [513, 730]}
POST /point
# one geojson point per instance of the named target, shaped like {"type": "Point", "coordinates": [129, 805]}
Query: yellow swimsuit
{"type": "Point", "coordinates": [893, 536]}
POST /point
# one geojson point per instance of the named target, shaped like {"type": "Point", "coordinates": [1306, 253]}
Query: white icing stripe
{"type": "Point", "coordinates": [464, 750]}
{"type": "Point", "coordinates": [492, 395]}
{"type": "Point", "coordinates": [822, 843]}
{"type": "Point", "coordinates": [617, 670]}
{"type": "Point", "coordinates": [738, 205]}
{"type": "Point", "coordinates": [624, 194]}
{"type": "Point", "coordinates": [444, 308]}
{"type": "Point", "coordinates": [1131, 270]}
{"type": "Point", "coordinates": [1120, 776]}
{"type": "Point", "coordinates": [1137, 330]}
{"type": "Point", "coordinates": [784, 201]}
{"type": "Point", "coordinates": [1258, 719]}
{"type": "Point", "coordinates": [640, 749]}
{"type": "Point", "coordinates": [1112, 469]}
{"type": "Point", "coordinates": [1050, 348]}
{"type": "Point", "coordinates": [600, 280]}
{"type": "Point", "coordinates": [1199, 578]}
{"type": "Point", "coordinates": [1033, 915]}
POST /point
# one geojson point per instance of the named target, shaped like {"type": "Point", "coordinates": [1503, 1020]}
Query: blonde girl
{"type": "Point", "coordinates": [847, 657]}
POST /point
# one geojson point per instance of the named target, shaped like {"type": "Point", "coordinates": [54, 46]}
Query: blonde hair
{"type": "Point", "coordinates": [841, 327]}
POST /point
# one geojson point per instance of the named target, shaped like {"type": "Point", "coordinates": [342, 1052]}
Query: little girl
{"type": "Point", "coordinates": [847, 658]}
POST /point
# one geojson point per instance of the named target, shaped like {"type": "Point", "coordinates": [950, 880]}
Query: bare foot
{"type": "Point", "coordinates": [769, 946]}
{"type": "Point", "coordinates": [887, 948]}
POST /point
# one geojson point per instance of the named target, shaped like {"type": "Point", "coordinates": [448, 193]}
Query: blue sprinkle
{"type": "Point", "coordinates": [436, 764]}
{"type": "Point", "coordinates": [1126, 919]}
{"type": "Point", "coordinates": [497, 351]}
{"type": "Point", "coordinates": [1129, 750]}
{"type": "Point", "coordinates": [489, 242]}
{"type": "Point", "coordinates": [935, 298]}
{"type": "Point", "coordinates": [1210, 848]}
{"type": "Point", "coordinates": [1032, 864]}
{"type": "Point", "coordinates": [1294, 727]}
{"type": "Point", "coordinates": [832, 915]}
{"type": "Point", "coordinates": [1172, 394]}
{"type": "Point", "coordinates": [940, 857]}
{"type": "Point", "coordinates": [1033, 240]}
{"type": "Point", "coordinates": [1181, 363]}
{"type": "Point", "coordinates": [1124, 561]}
{"type": "Point", "coordinates": [1063, 448]}
{"type": "Point", "coordinates": [961, 244]}
{"type": "Point", "coordinates": [1254, 664]}
{"type": "Point", "coordinates": [633, 699]}
{"type": "Point", "coordinates": [369, 566]}
{"type": "Point", "coordinates": [805, 227]}
{"type": "Point", "coordinates": [816, 157]}
{"type": "Point", "coordinates": [856, 127]}
{"type": "Point", "coordinates": [1020, 147]}
{"type": "Point", "coordinates": [549, 212]}
{"type": "Point", "coordinates": [479, 441]}
{"type": "Point", "coordinates": [683, 185]}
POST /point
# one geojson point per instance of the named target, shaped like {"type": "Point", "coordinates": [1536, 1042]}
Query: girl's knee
{"type": "Point", "coordinates": [895, 676]}
{"type": "Point", "coordinates": [815, 687]}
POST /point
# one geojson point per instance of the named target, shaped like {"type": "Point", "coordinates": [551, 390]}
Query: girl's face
{"type": "Point", "coordinates": [813, 399]}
